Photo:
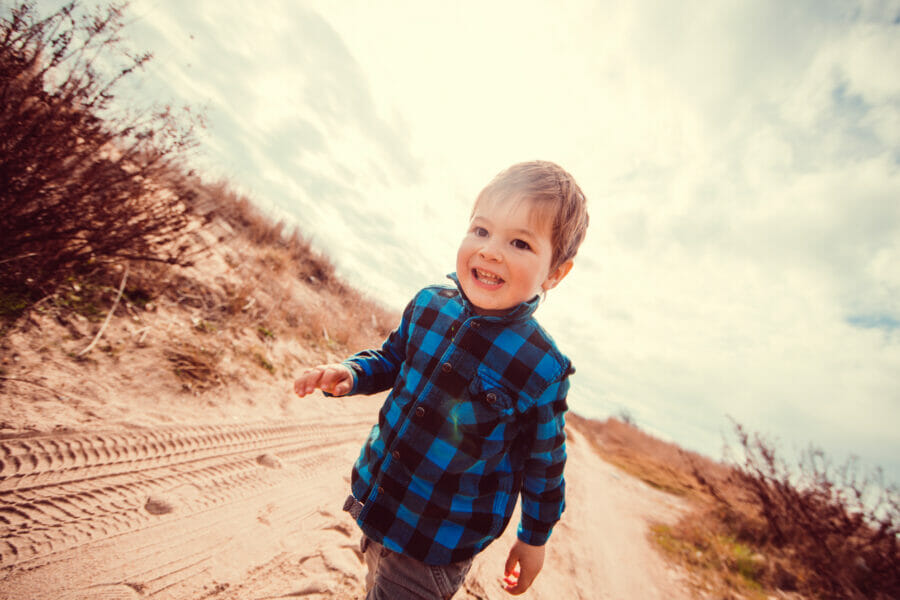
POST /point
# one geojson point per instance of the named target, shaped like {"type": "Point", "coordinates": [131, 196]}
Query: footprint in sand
{"type": "Point", "coordinates": [159, 505]}
{"type": "Point", "coordinates": [269, 460]}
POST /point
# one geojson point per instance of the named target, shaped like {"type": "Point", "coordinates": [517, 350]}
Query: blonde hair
{"type": "Point", "coordinates": [553, 191]}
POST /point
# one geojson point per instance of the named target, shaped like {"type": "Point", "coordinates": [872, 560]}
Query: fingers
{"type": "Point", "coordinates": [511, 573]}
{"type": "Point", "coordinates": [334, 379]}
{"type": "Point", "coordinates": [342, 387]}
{"type": "Point", "coordinates": [509, 582]}
{"type": "Point", "coordinates": [512, 562]}
{"type": "Point", "coordinates": [517, 582]}
{"type": "Point", "coordinates": [308, 381]}
{"type": "Point", "coordinates": [523, 564]}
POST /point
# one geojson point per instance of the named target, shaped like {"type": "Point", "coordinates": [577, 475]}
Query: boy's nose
{"type": "Point", "coordinates": [489, 251]}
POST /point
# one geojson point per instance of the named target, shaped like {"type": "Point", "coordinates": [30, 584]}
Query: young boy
{"type": "Point", "coordinates": [475, 415]}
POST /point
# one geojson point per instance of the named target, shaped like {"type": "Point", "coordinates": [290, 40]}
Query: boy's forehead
{"type": "Point", "coordinates": [537, 215]}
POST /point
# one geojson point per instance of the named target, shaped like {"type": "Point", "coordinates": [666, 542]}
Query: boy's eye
{"type": "Point", "coordinates": [480, 231]}
{"type": "Point", "coordinates": [521, 244]}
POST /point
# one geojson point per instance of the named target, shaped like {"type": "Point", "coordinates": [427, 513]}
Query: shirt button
{"type": "Point", "coordinates": [420, 412]}
{"type": "Point", "coordinates": [491, 397]}
{"type": "Point", "coordinates": [380, 490]}
{"type": "Point", "coordinates": [446, 367]}
{"type": "Point", "coordinates": [396, 454]}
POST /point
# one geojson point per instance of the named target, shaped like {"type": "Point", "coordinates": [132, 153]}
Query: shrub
{"type": "Point", "coordinates": [835, 527]}
{"type": "Point", "coordinates": [82, 181]}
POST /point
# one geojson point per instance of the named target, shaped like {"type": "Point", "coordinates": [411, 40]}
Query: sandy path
{"type": "Point", "coordinates": [253, 511]}
{"type": "Point", "coordinates": [599, 550]}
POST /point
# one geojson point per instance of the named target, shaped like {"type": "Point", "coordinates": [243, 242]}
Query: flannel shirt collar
{"type": "Point", "coordinates": [521, 312]}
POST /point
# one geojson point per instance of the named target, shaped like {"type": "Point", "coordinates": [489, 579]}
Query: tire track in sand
{"type": "Point", "coordinates": [156, 510]}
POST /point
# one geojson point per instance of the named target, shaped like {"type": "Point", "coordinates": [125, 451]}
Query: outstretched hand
{"type": "Point", "coordinates": [522, 566]}
{"type": "Point", "coordinates": [336, 379]}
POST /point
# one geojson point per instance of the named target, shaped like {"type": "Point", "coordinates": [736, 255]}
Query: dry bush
{"type": "Point", "coordinates": [820, 530]}
{"type": "Point", "coordinates": [82, 183]}
{"type": "Point", "coordinates": [261, 294]}
{"type": "Point", "coordinates": [196, 366]}
{"type": "Point", "coordinates": [837, 525]}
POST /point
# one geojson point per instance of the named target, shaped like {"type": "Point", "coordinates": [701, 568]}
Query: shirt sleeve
{"type": "Point", "coordinates": [543, 487]}
{"type": "Point", "coordinates": [376, 370]}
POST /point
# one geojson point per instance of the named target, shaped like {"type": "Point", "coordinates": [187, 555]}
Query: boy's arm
{"type": "Point", "coordinates": [376, 370]}
{"type": "Point", "coordinates": [543, 489]}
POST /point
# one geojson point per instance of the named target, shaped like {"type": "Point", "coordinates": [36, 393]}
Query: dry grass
{"type": "Point", "coordinates": [256, 301]}
{"type": "Point", "coordinates": [271, 267]}
{"type": "Point", "coordinates": [277, 290]}
{"type": "Point", "coordinates": [760, 529]}
{"type": "Point", "coordinates": [196, 366]}
{"type": "Point", "coordinates": [660, 464]}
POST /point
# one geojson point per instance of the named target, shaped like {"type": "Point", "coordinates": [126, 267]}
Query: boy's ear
{"type": "Point", "coordinates": [557, 275]}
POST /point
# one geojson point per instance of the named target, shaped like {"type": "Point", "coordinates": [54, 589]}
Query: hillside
{"type": "Point", "coordinates": [224, 334]}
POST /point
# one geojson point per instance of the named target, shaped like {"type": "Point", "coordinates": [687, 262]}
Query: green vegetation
{"type": "Point", "coordinates": [12, 303]}
{"type": "Point", "coordinates": [264, 362]}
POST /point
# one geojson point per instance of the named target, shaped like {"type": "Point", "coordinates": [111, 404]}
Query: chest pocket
{"type": "Point", "coordinates": [481, 425]}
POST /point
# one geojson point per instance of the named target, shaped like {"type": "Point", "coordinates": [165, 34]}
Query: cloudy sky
{"type": "Point", "coordinates": [741, 161]}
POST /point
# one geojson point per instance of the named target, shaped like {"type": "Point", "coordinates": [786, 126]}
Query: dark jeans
{"type": "Point", "coordinates": [393, 576]}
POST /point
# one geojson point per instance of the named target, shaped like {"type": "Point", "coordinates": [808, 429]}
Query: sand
{"type": "Point", "coordinates": [252, 511]}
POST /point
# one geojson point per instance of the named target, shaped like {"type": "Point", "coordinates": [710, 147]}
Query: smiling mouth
{"type": "Point", "coordinates": [486, 278]}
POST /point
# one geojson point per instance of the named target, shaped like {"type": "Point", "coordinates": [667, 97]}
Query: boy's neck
{"type": "Point", "coordinates": [523, 310]}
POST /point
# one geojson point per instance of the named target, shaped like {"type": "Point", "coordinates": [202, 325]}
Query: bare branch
{"type": "Point", "coordinates": [108, 316]}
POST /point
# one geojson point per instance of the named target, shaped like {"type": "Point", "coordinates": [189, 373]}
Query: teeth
{"type": "Point", "coordinates": [487, 277]}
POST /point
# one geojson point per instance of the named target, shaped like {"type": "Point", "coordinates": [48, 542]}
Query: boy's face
{"type": "Point", "coordinates": [504, 258]}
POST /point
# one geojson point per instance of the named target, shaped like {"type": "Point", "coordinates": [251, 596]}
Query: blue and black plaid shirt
{"type": "Point", "coordinates": [475, 416]}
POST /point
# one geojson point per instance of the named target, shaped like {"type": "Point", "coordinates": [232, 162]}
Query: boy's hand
{"type": "Point", "coordinates": [336, 379]}
{"type": "Point", "coordinates": [522, 565]}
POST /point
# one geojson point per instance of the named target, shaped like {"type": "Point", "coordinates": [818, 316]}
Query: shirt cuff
{"type": "Point", "coordinates": [533, 538]}
{"type": "Point", "coordinates": [353, 371]}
